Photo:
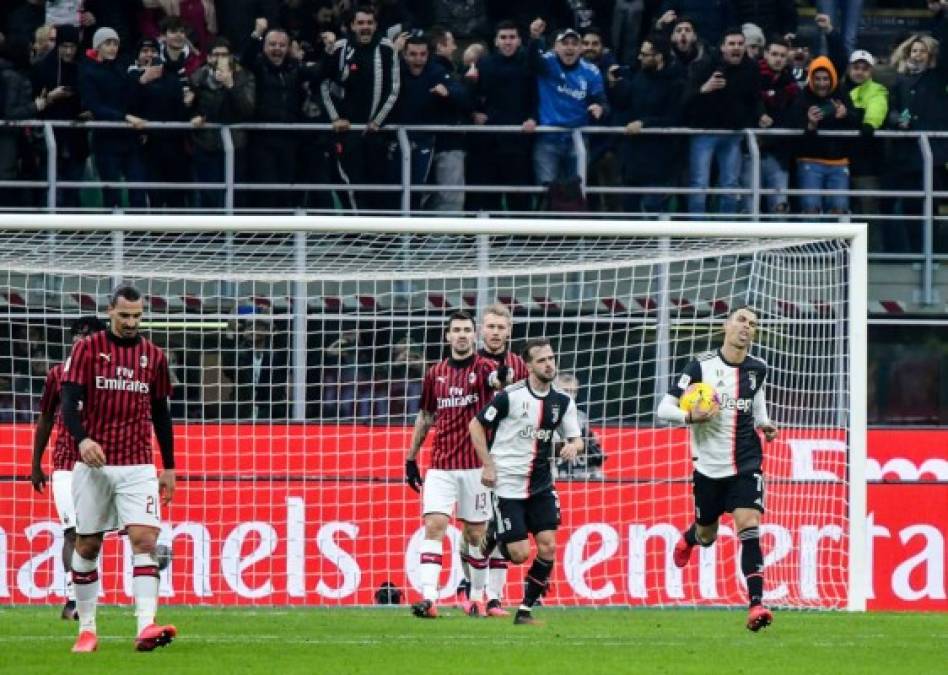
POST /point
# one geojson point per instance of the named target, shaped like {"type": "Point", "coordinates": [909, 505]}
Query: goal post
{"type": "Point", "coordinates": [298, 343]}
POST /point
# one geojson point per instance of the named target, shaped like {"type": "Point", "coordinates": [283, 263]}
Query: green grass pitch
{"type": "Point", "coordinates": [575, 641]}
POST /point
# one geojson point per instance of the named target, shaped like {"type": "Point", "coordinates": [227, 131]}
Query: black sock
{"type": "Point", "coordinates": [536, 582]}
{"type": "Point", "coordinates": [752, 564]}
{"type": "Point", "coordinates": [691, 535]}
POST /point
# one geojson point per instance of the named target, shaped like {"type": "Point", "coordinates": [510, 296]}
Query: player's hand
{"type": "Point", "coordinates": [595, 111]}
{"type": "Point", "coordinates": [413, 475]}
{"type": "Point", "coordinates": [537, 28]}
{"type": "Point", "coordinates": [440, 90]}
{"type": "Point", "coordinates": [702, 415]}
{"type": "Point", "coordinates": [260, 26]}
{"type": "Point", "coordinates": [38, 478]}
{"type": "Point", "coordinates": [667, 18]}
{"type": "Point", "coordinates": [92, 454]}
{"type": "Point", "coordinates": [489, 475]}
{"type": "Point", "coordinates": [529, 126]}
{"type": "Point", "coordinates": [570, 450]}
{"type": "Point", "coordinates": [341, 125]}
{"type": "Point", "coordinates": [166, 486]}
{"type": "Point", "coordinates": [770, 431]}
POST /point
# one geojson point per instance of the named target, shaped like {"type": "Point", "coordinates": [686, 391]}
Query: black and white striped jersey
{"type": "Point", "coordinates": [728, 444]}
{"type": "Point", "coordinates": [522, 447]}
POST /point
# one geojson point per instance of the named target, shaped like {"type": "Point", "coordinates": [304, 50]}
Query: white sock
{"type": "Point", "coordinates": [496, 576]}
{"type": "Point", "coordinates": [430, 568]}
{"type": "Point", "coordinates": [85, 576]}
{"type": "Point", "coordinates": [70, 588]}
{"type": "Point", "coordinates": [478, 565]}
{"type": "Point", "coordinates": [145, 588]}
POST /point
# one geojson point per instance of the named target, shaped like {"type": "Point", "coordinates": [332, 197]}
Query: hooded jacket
{"type": "Point", "coordinates": [51, 72]}
{"type": "Point", "coordinates": [736, 106]}
{"type": "Point", "coordinates": [813, 147]}
{"type": "Point", "coordinates": [104, 90]}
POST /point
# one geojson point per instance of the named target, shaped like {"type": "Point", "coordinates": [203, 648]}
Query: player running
{"type": "Point", "coordinates": [728, 456]}
{"type": "Point", "coordinates": [518, 467]}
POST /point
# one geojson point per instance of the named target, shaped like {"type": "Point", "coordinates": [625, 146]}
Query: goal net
{"type": "Point", "coordinates": [297, 348]}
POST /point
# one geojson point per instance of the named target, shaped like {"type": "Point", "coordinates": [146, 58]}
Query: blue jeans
{"type": "Point", "coordinates": [815, 176]}
{"type": "Point", "coordinates": [726, 152]}
{"type": "Point", "coordinates": [773, 175]}
{"type": "Point", "coordinates": [113, 166]}
{"type": "Point", "coordinates": [209, 168]}
{"type": "Point", "coordinates": [554, 158]}
{"type": "Point", "coordinates": [845, 15]}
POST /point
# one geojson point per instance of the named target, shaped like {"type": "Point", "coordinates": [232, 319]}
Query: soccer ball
{"type": "Point", "coordinates": [163, 553]}
{"type": "Point", "coordinates": [699, 396]}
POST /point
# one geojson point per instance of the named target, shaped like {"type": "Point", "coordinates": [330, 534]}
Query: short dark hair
{"type": "Point", "coordinates": [126, 291]}
{"type": "Point", "coordinates": [172, 24]}
{"type": "Point", "coordinates": [364, 8]}
{"type": "Point", "coordinates": [460, 315]}
{"type": "Point", "coordinates": [535, 343]}
{"type": "Point", "coordinates": [737, 308]}
{"type": "Point", "coordinates": [506, 24]}
{"type": "Point", "coordinates": [222, 42]}
{"type": "Point", "coordinates": [592, 30]}
{"type": "Point", "coordinates": [732, 30]}
{"type": "Point", "coordinates": [418, 40]}
{"type": "Point", "coordinates": [660, 43]}
{"type": "Point", "coordinates": [685, 19]}
{"type": "Point", "coordinates": [778, 40]}
{"type": "Point", "coordinates": [86, 325]}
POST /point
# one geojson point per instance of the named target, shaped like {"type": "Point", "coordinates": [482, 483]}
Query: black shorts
{"type": "Point", "coordinates": [714, 496]}
{"type": "Point", "coordinates": [514, 518]}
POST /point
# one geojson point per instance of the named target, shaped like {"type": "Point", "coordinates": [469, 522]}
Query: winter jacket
{"type": "Point", "coordinates": [185, 65]}
{"type": "Point", "coordinates": [778, 91]}
{"type": "Point", "coordinates": [418, 105]}
{"type": "Point", "coordinates": [218, 104]}
{"type": "Point", "coordinates": [505, 89]}
{"type": "Point", "coordinates": [565, 93]}
{"type": "Point", "coordinates": [51, 72]}
{"type": "Point", "coordinates": [362, 81]}
{"type": "Point", "coordinates": [279, 89]}
{"type": "Point", "coordinates": [736, 106]}
{"type": "Point", "coordinates": [812, 146]}
{"type": "Point", "coordinates": [457, 109]}
{"type": "Point", "coordinates": [104, 90]}
{"type": "Point", "coordinates": [654, 98]}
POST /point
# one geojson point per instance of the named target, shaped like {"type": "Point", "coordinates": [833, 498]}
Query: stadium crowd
{"type": "Point", "coordinates": [637, 64]}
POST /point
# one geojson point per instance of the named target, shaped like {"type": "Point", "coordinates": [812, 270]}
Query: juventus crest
{"type": "Point", "coordinates": [752, 376]}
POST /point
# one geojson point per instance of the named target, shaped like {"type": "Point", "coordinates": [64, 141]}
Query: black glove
{"type": "Point", "coordinates": [413, 475]}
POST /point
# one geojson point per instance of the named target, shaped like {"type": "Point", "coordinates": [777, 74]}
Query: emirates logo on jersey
{"type": "Point", "coordinates": [456, 398]}
{"type": "Point", "coordinates": [123, 381]}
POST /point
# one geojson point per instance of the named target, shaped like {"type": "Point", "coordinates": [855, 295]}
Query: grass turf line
{"type": "Point", "coordinates": [389, 640]}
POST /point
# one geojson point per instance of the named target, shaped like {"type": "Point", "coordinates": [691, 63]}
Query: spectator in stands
{"type": "Point", "coordinates": [588, 464]}
{"type": "Point", "coordinates": [262, 373]}
{"type": "Point", "coordinates": [778, 90]}
{"type": "Point", "coordinates": [571, 94]}
{"type": "Point", "coordinates": [428, 95]}
{"type": "Point", "coordinates": [845, 14]}
{"type": "Point", "coordinates": [603, 161]}
{"type": "Point", "coordinates": [346, 386]}
{"type": "Point", "coordinates": [225, 93]}
{"type": "Point", "coordinates": [448, 164]}
{"type": "Point", "coordinates": [754, 41]}
{"type": "Point", "coordinates": [279, 79]}
{"type": "Point", "coordinates": [823, 162]}
{"type": "Point", "coordinates": [723, 94]}
{"type": "Point", "coordinates": [801, 53]}
{"type": "Point", "coordinates": [505, 93]}
{"type": "Point", "coordinates": [689, 51]}
{"type": "Point", "coordinates": [16, 96]}
{"type": "Point", "coordinates": [650, 96]}
{"type": "Point", "coordinates": [104, 90]}
{"type": "Point", "coordinates": [708, 18]}
{"type": "Point", "coordinates": [918, 103]}
{"type": "Point", "coordinates": [23, 21]}
{"type": "Point", "coordinates": [44, 42]}
{"type": "Point", "coordinates": [361, 86]}
{"type": "Point", "coordinates": [404, 383]}
{"type": "Point", "coordinates": [774, 17]}
{"type": "Point", "coordinates": [57, 78]}
{"type": "Point", "coordinates": [179, 56]}
{"type": "Point", "coordinates": [198, 19]}
{"type": "Point", "coordinates": [156, 94]}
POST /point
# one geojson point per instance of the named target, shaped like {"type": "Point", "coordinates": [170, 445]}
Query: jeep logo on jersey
{"type": "Point", "coordinates": [740, 404]}
{"type": "Point", "coordinates": [531, 432]}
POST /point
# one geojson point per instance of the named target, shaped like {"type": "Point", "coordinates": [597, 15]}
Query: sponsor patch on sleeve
{"type": "Point", "coordinates": [490, 413]}
{"type": "Point", "coordinates": [684, 381]}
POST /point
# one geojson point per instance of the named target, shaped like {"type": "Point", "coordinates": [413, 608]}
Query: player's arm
{"type": "Point", "coordinates": [44, 427]}
{"type": "Point", "coordinates": [423, 424]}
{"type": "Point", "coordinates": [570, 430]}
{"type": "Point", "coordinates": [488, 418]}
{"type": "Point", "coordinates": [668, 411]}
{"type": "Point", "coordinates": [75, 379]}
{"type": "Point", "coordinates": [161, 421]}
{"type": "Point", "coordinates": [762, 420]}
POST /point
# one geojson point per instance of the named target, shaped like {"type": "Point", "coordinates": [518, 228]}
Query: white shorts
{"type": "Point", "coordinates": [62, 497]}
{"type": "Point", "coordinates": [443, 489]}
{"type": "Point", "coordinates": [115, 496]}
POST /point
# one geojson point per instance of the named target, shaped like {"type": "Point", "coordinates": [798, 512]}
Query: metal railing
{"type": "Point", "coordinates": [406, 188]}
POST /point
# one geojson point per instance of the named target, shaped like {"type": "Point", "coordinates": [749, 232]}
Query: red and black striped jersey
{"type": "Point", "coordinates": [119, 377]}
{"type": "Point", "coordinates": [65, 451]}
{"type": "Point", "coordinates": [509, 359]}
{"type": "Point", "coordinates": [454, 391]}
